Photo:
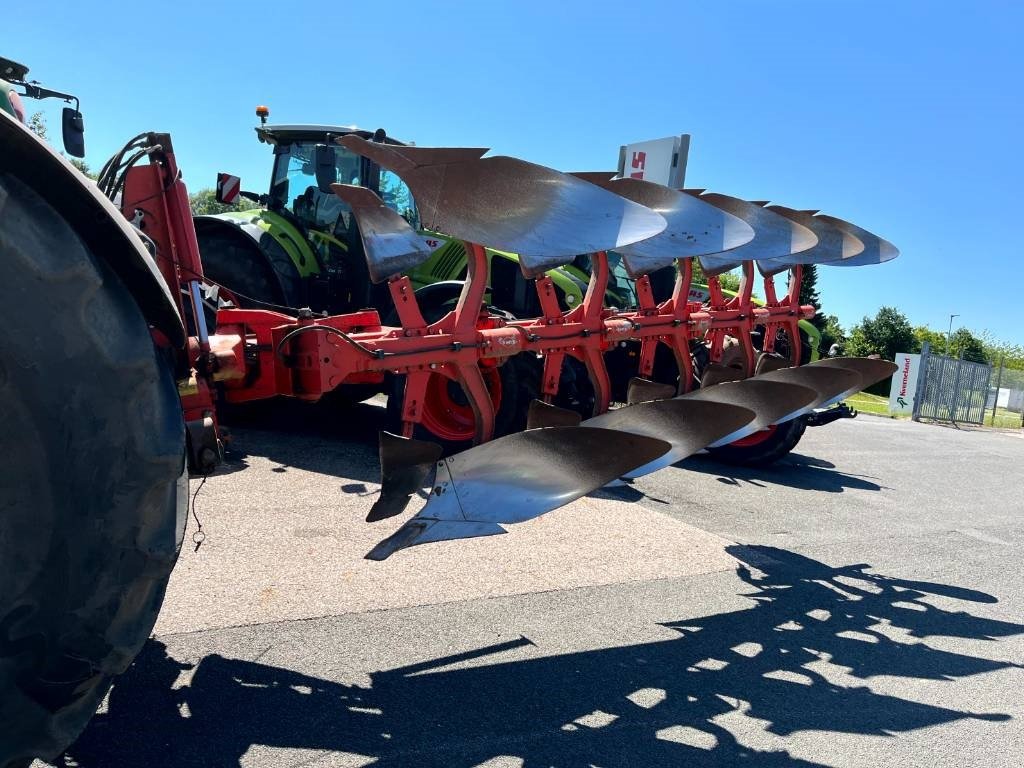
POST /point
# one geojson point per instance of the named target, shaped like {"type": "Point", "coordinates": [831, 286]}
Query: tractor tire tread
{"type": "Point", "coordinates": [259, 277]}
{"type": "Point", "coordinates": [93, 446]}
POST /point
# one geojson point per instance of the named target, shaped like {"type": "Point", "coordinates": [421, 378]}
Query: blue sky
{"type": "Point", "coordinates": [905, 118]}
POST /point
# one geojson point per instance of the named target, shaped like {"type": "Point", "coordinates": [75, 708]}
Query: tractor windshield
{"type": "Point", "coordinates": [294, 187]}
{"type": "Point", "coordinates": [398, 197]}
{"type": "Point", "coordinates": [621, 292]}
{"type": "Point", "coordinates": [620, 284]}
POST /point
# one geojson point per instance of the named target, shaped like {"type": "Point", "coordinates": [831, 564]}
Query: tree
{"type": "Point", "coordinates": [962, 341]}
{"type": "Point", "coordinates": [966, 344]}
{"type": "Point", "coordinates": [204, 203]}
{"type": "Point", "coordinates": [37, 124]}
{"type": "Point", "coordinates": [1012, 355]}
{"type": "Point", "coordinates": [935, 339]}
{"type": "Point", "coordinates": [729, 281]}
{"type": "Point", "coordinates": [83, 167]}
{"type": "Point", "coordinates": [886, 334]}
{"type": "Point", "coordinates": [831, 333]}
{"type": "Point", "coordinates": [809, 294]}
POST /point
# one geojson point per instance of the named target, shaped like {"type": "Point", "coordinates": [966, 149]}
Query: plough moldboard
{"type": "Point", "coordinates": [744, 391]}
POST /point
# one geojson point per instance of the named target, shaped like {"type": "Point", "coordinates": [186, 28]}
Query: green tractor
{"type": "Point", "coordinates": [300, 248]}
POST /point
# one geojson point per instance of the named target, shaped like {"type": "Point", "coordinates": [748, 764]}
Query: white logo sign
{"type": "Point", "coordinates": [660, 160]}
{"type": "Point", "coordinates": [904, 384]}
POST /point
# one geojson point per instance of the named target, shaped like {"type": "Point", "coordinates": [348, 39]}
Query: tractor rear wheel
{"type": "Point", "coordinates": [92, 482]}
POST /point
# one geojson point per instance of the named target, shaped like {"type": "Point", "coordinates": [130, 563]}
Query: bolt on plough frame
{"type": "Point", "coordinates": [547, 218]}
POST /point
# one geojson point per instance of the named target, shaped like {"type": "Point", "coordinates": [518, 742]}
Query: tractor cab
{"type": "Point", "coordinates": [302, 247]}
{"type": "Point", "coordinates": [307, 160]}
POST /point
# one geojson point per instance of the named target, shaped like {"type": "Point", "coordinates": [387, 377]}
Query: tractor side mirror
{"type": "Point", "coordinates": [325, 168]}
{"type": "Point", "coordinates": [74, 132]}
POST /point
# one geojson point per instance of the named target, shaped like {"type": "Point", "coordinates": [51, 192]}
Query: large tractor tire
{"type": "Point", "coordinates": [261, 275]}
{"type": "Point", "coordinates": [92, 483]}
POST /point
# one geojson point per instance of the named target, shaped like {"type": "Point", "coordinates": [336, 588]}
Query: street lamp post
{"type": "Point", "coordinates": [949, 396]}
{"type": "Point", "coordinates": [949, 335]}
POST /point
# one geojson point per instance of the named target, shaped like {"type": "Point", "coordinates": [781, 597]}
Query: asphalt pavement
{"type": "Point", "coordinates": [860, 604]}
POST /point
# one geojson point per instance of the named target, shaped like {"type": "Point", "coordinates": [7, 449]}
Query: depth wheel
{"type": "Point", "coordinates": [765, 447]}
{"type": "Point", "coordinates": [448, 418]}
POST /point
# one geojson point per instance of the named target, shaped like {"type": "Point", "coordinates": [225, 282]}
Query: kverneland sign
{"type": "Point", "coordinates": [904, 384]}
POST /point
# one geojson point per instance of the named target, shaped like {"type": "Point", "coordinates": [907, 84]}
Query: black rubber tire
{"type": "Point", "coordinates": [575, 389]}
{"type": "Point", "coordinates": [260, 278]}
{"type": "Point", "coordinates": [768, 451]}
{"type": "Point", "coordinates": [519, 387]}
{"type": "Point", "coordinates": [520, 382]}
{"type": "Point", "coordinates": [520, 375]}
{"type": "Point", "coordinates": [93, 461]}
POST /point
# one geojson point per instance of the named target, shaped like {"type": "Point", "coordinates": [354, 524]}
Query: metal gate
{"type": "Point", "coordinates": [952, 390]}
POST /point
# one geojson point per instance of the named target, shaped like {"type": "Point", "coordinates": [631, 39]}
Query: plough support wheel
{"type": "Point", "coordinates": [772, 401]}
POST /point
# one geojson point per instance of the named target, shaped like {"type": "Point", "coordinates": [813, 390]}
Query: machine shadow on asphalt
{"type": "Point", "coordinates": [335, 440]}
{"type": "Point", "coordinates": [342, 441]}
{"type": "Point", "coordinates": [795, 471]}
{"type": "Point", "coordinates": [650, 704]}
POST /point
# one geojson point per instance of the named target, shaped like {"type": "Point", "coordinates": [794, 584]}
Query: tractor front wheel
{"type": "Point", "coordinates": [92, 483]}
{"type": "Point", "coordinates": [261, 275]}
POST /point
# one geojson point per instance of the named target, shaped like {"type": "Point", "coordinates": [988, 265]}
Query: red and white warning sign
{"type": "Point", "coordinates": [228, 187]}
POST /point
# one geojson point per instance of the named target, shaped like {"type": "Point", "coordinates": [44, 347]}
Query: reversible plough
{"type": "Point", "coordinates": [95, 480]}
{"type": "Point", "coordinates": [742, 395]}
